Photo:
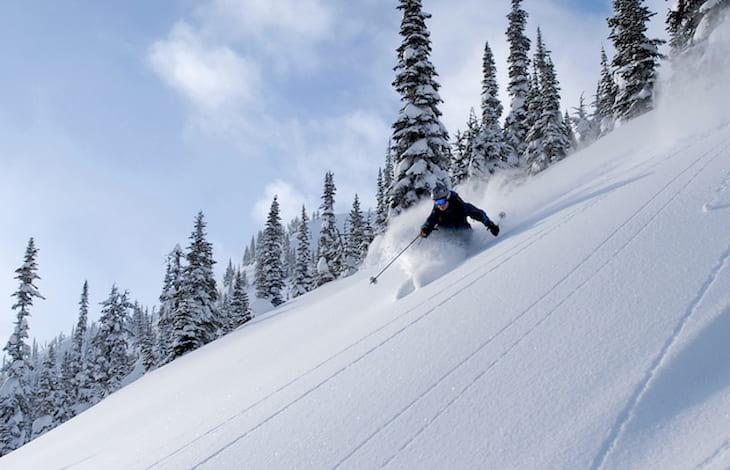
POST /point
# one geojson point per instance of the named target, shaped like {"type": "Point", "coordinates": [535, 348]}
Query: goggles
{"type": "Point", "coordinates": [441, 201]}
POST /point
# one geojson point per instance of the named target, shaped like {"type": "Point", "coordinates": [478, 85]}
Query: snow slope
{"type": "Point", "coordinates": [593, 333]}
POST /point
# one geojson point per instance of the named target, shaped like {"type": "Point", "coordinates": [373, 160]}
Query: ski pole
{"type": "Point", "coordinates": [374, 279]}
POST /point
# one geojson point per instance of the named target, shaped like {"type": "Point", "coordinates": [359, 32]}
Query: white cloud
{"type": "Point", "coordinates": [210, 76]}
{"type": "Point", "coordinates": [289, 197]}
{"type": "Point", "coordinates": [263, 18]}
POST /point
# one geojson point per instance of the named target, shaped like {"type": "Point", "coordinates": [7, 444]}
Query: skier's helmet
{"type": "Point", "coordinates": [440, 191]}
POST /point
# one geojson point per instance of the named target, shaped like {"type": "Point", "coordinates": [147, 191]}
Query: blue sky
{"type": "Point", "coordinates": [118, 121]}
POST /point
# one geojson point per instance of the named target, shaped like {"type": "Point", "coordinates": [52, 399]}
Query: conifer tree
{"type": "Point", "coordinates": [111, 361]}
{"type": "Point", "coordinates": [303, 281]}
{"type": "Point", "coordinates": [388, 171]}
{"type": "Point", "coordinates": [381, 209]}
{"type": "Point", "coordinates": [470, 142]}
{"type": "Point", "coordinates": [246, 255]}
{"type": "Point", "coordinates": [137, 327]}
{"type": "Point", "coordinates": [369, 230]}
{"type": "Point", "coordinates": [74, 359]}
{"type": "Point", "coordinates": [170, 300]}
{"type": "Point", "coordinates": [459, 165]}
{"type": "Point", "coordinates": [569, 132]}
{"type": "Point", "coordinates": [515, 126]}
{"type": "Point", "coordinates": [584, 128]}
{"type": "Point", "coordinates": [289, 255]}
{"type": "Point", "coordinates": [196, 321]}
{"type": "Point", "coordinates": [270, 254]}
{"type": "Point", "coordinates": [229, 276]}
{"type": "Point", "coordinates": [605, 98]}
{"type": "Point", "coordinates": [420, 140]}
{"type": "Point", "coordinates": [534, 98]}
{"type": "Point", "coordinates": [147, 348]}
{"type": "Point", "coordinates": [251, 251]}
{"type": "Point", "coordinates": [635, 61]}
{"type": "Point", "coordinates": [547, 140]}
{"type": "Point", "coordinates": [330, 243]}
{"type": "Point", "coordinates": [69, 391]}
{"type": "Point", "coordinates": [682, 22]}
{"type": "Point", "coordinates": [710, 16]}
{"type": "Point", "coordinates": [224, 297]}
{"type": "Point", "coordinates": [15, 392]}
{"type": "Point", "coordinates": [357, 244]}
{"type": "Point", "coordinates": [48, 399]}
{"type": "Point", "coordinates": [489, 146]}
{"type": "Point", "coordinates": [240, 310]}
{"type": "Point", "coordinates": [690, 22]}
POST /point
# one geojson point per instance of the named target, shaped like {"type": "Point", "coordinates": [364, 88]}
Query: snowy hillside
{"type": "Point", "coordinates": [593, 333]}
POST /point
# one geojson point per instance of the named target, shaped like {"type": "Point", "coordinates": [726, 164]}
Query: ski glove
{"type": "Point", "coordinates": [425, 232]}
{"type": "Point", "coordinates": [493, 228]}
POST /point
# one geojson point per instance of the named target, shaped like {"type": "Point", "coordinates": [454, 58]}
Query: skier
{"type": "Point", "coordinates": [450, 213]}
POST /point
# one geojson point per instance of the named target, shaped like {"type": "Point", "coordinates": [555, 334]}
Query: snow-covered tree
{"type": "Point", "coordinates": [149, 340]}
{"type": "Point", "coordinates": [547, 140]}
{"type": "Point", "coordinates": [240, 310]}
{"type": "Point", "coordinates": [229, 276]}
{"type": "Point", "coordinates": [534, 98]}
{"type": "Point", "coordinates": [357, 244]}
{"type": "Point", "coordinates": [420, 141]}
{"type": "Point", "coordinates": [489, 147]}
{"type": "Point", "coordinates": [73, 362]}
{"type": "Point", "coordinates": [388, 170]}
{"type": "Point", "coordinates": [605, 98]}
{"type": "Point", "coordinates": [170, 300]}
{"type": "Point", "coordinates": [15, 392]}
{"type": "Point", "coordinates": [635, 61]}
{"type": "Point", "coordinates": [195, 322]}
{"type": "Point", "coordinates": [710, 16]}
{"type": "Point", "coordinates": [682, 21]}
{"type": "Point", "coordinates": [515, 126]}
{"type": "Point", "coordinates": [111, 343]}
{"type": "Point", "coordinates": [49, 396]}
{"type": "Point", "coordinates": [270, 253]}
{"type": "Point", "coordinates": [290, 256]}
{"type": "Point", "coordinates": [583, 128]}
{"type": "Point", "coordinates": [471, 134]}
{"type": "Point", "coordinates": [459, 164]}
{"type": "Point", "coordinates": [330, 242]}
{"type": "Point", "coordinates": [224, 297]}
{"type": "Point", "coordinates": [68, 389]}
{"type": "Point", "coordinates": [381, 209]}
{"type": "Point", "coordinates": [324, 273]}
{"type": "Point", "coordinates": [249, 256]}
{"type": "Point", "coordinates": [303, 279]}
{"type": "Point", "coordinates": [689, 22]}
{"type": "Point", "coordinates": [569, 132]}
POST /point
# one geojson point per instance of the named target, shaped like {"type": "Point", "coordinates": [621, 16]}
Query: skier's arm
{"type": "Point", "coordinates": [428, 227]}
{"type": "Point", "coordinates": [476, 213]}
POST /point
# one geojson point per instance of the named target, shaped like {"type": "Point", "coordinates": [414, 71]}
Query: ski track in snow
{"type": "Point", "coordinates": [532, 241]}
{"type": "Point", "coordinates": [456, 397]}
{"type": "Point", "coordinates": [519, 246]}
{"type": "Point", "coordinates": [511, 253]}
{"type": "Point", "coordinates": [508, 255]}
{"type": "Point", "coordinates": [629, 411]}
{"type": "Point", "coordinates": [714, 456]}
{"type": "Point", "coordinates": [717, 202]}
{"type": "Point", "coordinates": [496, 335]}
{"type": "Point", "coordinates": [535, 236]}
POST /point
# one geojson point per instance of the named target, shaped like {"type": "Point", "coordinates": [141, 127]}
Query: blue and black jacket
{"type": "Point", "coordinates": [454, 217]}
